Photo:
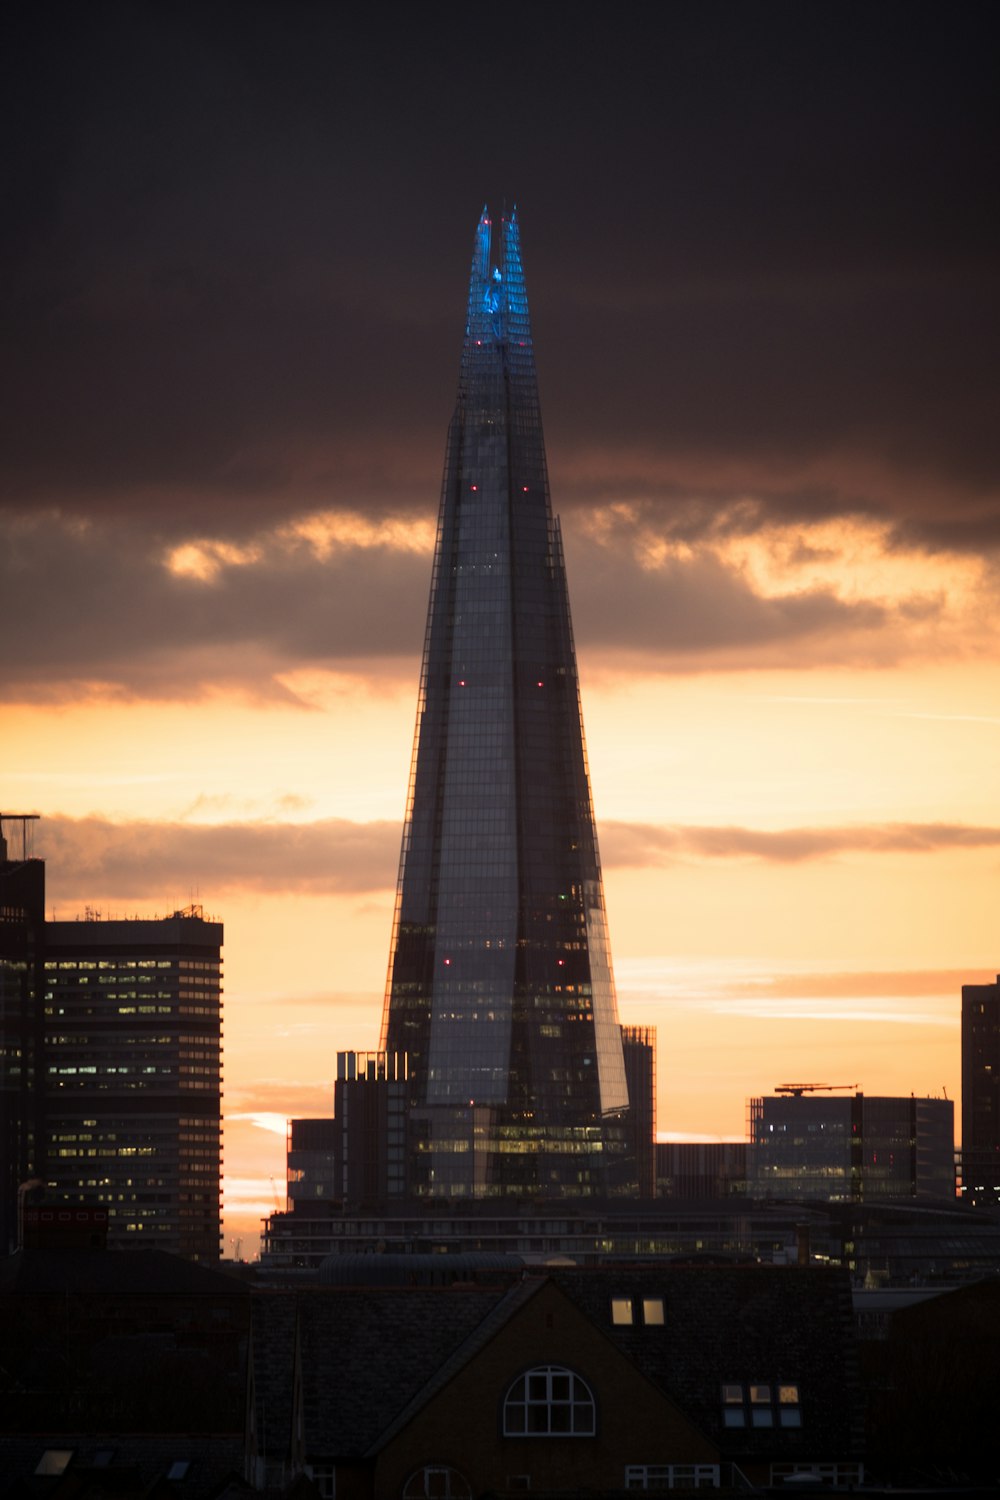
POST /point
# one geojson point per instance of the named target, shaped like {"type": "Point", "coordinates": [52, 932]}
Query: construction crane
{"type": "Point", "coordinates": [798, 1089]}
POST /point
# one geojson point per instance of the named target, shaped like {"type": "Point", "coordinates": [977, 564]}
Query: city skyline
{"type": "Point", "coordinates": [767, 380]}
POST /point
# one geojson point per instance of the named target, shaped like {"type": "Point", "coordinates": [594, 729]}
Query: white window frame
{"type": "Point", "coordinates": [539, 1390]}
{"type": "Point", "coordinates": [672, 1476]}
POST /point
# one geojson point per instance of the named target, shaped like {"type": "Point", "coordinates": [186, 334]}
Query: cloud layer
{"type": "Point", "coordinates": [233, 281]}
{"type": "Point", "coordinates": [105, 605]}
{"type": "Point", "coordinates": [91, 858]}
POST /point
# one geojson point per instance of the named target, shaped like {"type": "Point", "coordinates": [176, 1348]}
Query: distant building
{"type": "Point", "coordinates": [639, 1051]}
{"type": "Point", "coordinates": [110, 1071]}
{"type": "Point", "coordinates": [701, 1169]}
{"type": "Point", "coordinates": [133, 1076]}
{"type": "Point", "coordinates": [312, 1162]}
{"type": "Point", "coordinates": [500, 991]}
{"type": "Point", "coordinates": [980, 1157]}
{"type": "Point", "coordinates": [22, 936]}
{"type": "Point", "coordinates": [370, 1108]}
{"type": "Point", "coordinates": [803, 1145]}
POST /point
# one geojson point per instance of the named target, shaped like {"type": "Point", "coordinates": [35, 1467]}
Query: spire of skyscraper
{"type": "Point", "coordinates": [500, 987]}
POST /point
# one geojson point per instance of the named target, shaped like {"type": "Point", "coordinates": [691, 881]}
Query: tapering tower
{"type": "Point", "coordinates": [500, 987]}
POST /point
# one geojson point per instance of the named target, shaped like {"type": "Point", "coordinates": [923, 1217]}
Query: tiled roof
{"type": "Point", "coordinates": [150, 1456]}
{"type": "Point", "coordinates": [741, 1325]}
{"type": "Point", "coordinates": [366, 1354]}
{"type": "Point", "coordinates": [371, 1358]}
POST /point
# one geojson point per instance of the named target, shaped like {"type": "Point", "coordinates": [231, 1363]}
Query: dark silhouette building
{"type": "Point", "coordinates": [500, 989]}
{"type": "Point", "coordinates": [22, 938]}
{"type": "Point", "coordinates": [981, 1093]}
{"type": "Point", "coordinates": [639, 1050]}
{"type": "Point", "coordinates": [110, 1072]}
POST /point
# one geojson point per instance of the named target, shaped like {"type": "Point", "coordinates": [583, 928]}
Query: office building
{"type": "Point", "coordinates": [133, 1076]}
{"type": "Point", "coordinates": [110, 1070]}
{"type": "Point", "coordinates": [22, 925]}
{"type": "Point", "coordinates": [311, 1162]}
{"type": "Point", "coordinates": [701, 1169]}
{"type": "Point", "coordinates": [857, 1149]}
{"type": "Point", "coordinates": [980, 1156]}
{"type": "Point", "coordinates": [500, 991]}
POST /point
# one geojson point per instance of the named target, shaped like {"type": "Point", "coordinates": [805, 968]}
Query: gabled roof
{"type": "Point", "coordinates": [511, 1303]}
{"type": "Point", "coordinates": [740, 1325]}
{"type": "Point", "coordinates": [365, 1355]}
{"type": "Point", "coordinates": [372, 1358]}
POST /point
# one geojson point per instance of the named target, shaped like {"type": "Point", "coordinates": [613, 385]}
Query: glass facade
{"type": "Point", "coordinates": [500, 988]}
{"type": "Point", "coordinates": [864, 1147]}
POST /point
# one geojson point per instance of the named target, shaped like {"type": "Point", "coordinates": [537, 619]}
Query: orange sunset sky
{"type": "Point", "coordinates": [761, 258]}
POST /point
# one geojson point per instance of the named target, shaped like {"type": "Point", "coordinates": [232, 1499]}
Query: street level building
{"type": "Point", "coordinates": [500, 990]}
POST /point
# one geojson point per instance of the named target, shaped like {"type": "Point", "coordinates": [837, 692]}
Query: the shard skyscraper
{"type": "Point", "coordinates": [500, 988]}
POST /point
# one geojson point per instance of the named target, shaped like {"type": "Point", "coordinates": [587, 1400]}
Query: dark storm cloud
{"type": "Point", "coordinates": [98, 608]}
{"type": "Point", "coordinates": [94, 859]}
{"type": "Point", "coordinates": [97, 604]}
{"type": "Point", "coordinates": [693, 607]}
{"type": "Point", "coordinates": [760, 239]}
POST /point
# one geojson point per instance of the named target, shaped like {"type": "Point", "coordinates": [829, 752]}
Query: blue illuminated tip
{"type": "Point", "coordinates": [497, 297]}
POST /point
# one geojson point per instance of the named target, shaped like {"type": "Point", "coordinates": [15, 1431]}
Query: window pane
{"type": "Point", "coordinates": [732, 1416]}
{"type": "Point", "coordinates": [732, 1395]}
{"type": "Point", "coordinates": [760, 1395]}
{"type": "Point", "coordinates": [621, 1309]}
{"type": "Point", "coordinates": [788, 1395]}
{"type": "Point", "coordinates": [652, 1311]}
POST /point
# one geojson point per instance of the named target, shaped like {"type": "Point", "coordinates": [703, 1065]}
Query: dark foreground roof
{"type": "Point", "coordinates": [739, 1324]}
{"type": "Point", "coordinates": [114, 1273]}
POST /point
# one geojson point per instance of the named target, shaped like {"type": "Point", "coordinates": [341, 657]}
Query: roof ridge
{"type": "Point", "coordinates": [511, 1301]}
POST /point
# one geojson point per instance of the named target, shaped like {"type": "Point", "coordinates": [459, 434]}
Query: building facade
{"type": "Point", "coordinates": [639, 1050]}
{"type": "Point", "coordinates": [500, 989]}
{"type": "Point", "coordinates": [857, 1148]}
{"type": "Point", "coordinates": [981, 1093]}
{"type": "Point", "coordinates": [22, 932]}
{"type": "Point", "coordinates": [132, 1077]}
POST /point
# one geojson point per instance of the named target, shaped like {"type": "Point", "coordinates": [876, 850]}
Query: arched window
{"type": "Point", "coordinates": [549, 1401]}
{"type": "Point", "coordinates": [437, 1482]}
